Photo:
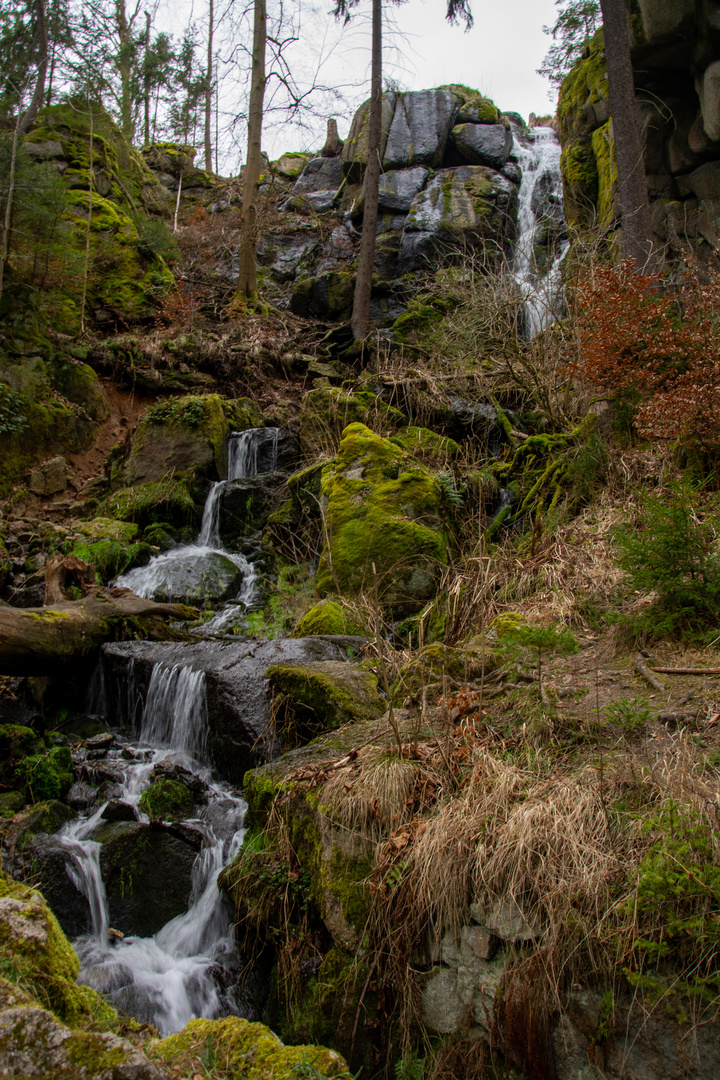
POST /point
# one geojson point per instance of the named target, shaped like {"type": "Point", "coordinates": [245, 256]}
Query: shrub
{"type": "Point", "coordinates": [671, 550]}
{"type": "Point", "coordinates": [654, 347]}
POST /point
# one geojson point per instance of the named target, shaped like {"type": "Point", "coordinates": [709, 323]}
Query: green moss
{"type": "Point", "coordinates": [586, 85]}
{"type": "Point", "coordinates": [164, 500]}
{"type": "Point", "coordinates": [327, 617]}
{"type": "Point", "coordinates": [167, 800]}
{"type": "Point", "coordinates": [99, 528]}
{"type": "Point", "coordinates": [44, 817]}
{"type": "Point", "coordinates": [604, 151]}
{"type": "Point", "coordinates": [41, 960]}
{"type": "Point", "coordinates": [110, 558]}
{"type": "Point", "coordinates": [326, 412]}
{"type": "Point", "coordinates": [47, 775]}
{"type": "Point", "coordinates": [383, 511]}
{"type": "Point", "coordinates": [326, 695]}
{"type": "Point", "coordinates": [241, 1050]}
{"type": "Point", "coordinates": [425, 444]}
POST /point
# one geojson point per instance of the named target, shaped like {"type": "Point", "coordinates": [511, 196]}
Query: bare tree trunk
{"type": "Point", "coordinates": [247, 256]}
{"type": "Point", "coordinates": [366, 258]}
{"type": "Point", "coordinates": [7, 219]}
{"type": "Point", "coordinates": [86, 263]}
{"type": "Point", "coordinates": [632, 181]}
{"type": "Point", "coordinates": [332, 141]}
{"type": "Point", "coordinates": [208, 91]}
{"type": "Point", "coordinates": [177, 202]}
{"type": "Point", "coordinates": [41, 38]}
{"type": "Point", "coordinates": [146, 79]}
{"type": "Point", "coordinates": [124, 31]}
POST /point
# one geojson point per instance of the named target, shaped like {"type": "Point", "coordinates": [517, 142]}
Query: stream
{"type": "Point", "coordinates": [190, 967]}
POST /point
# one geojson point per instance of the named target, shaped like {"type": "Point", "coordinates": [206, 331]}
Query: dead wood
{"type": "Point", "coordinates": [687, 670]}
{"type": "Point", "coordinates": [40, 641]}
{"type": "Point", "coordinates": [643, 670]}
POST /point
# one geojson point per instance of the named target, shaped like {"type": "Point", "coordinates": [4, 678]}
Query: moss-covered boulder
{"type": "Point", "coordinates": [241, 1050]}
{"type": "Point", "coordinates": [187, 436]}
{"type": "Point", "coordinates": [324, 695]}
{"type": "Point", "coordinates": [383, 510]}
{"type": "Point", "coordinates": [38, 957]}
{"type": "Point", "coordinates": [48, 774]}
{"type": "Point", "coordinates": [111, 558]}
{"type": "Point", "coordinates": [167, 800]}
{"type": "Point", "coordinates": [327, 296]}
{"type": "Point", "coordinates": [155, 503]}
{"type": "Point", "coordinates": [327, 617]}
{"type": "Point", "coordinates": [99, 528]}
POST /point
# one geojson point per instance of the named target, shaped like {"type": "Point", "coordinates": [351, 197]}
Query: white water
{"type": "Point", "coordinates": [155, 579]}
{"type": "Point", "coordinates": [178, 974]}
{"type": "Point", "coordinates": [539, 160]}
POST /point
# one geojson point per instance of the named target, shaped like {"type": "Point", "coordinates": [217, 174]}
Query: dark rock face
{"type": "Point", "coordinates": [319, 175]}
{"type": "Point", "coordinates": [245, 506]}
{"type": "Point", "coordinates": [284, 253]}
{"type": "Point", "coordinates": [238, 698]}
{"type": "Point", "coordinates": [420, 127]}
{"type": "Point", "coordinates": [326, 296]}
{"type": "Point", "coordinates": [482, 144]}
{"type": "Point", "coordinates": [399, 188]}
{"type": "Point", "coordinates": [147, 870]}
{"type": "Point", "coordinates": [44, 861]}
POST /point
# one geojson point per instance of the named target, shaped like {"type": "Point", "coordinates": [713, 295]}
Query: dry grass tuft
{"type": "Point", "coordinates": [374, 797]}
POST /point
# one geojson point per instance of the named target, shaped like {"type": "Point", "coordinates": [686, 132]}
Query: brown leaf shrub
{"type": "Point", "coordinates": [642, 339]}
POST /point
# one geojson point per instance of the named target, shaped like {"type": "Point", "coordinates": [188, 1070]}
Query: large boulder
{"type": "Point", "coordinates": [482, 144]}
{"type": "Point", "coordinates": [465, 205]}
{"type": "Point", "coordinates": [190, 575]}
{"type": "Point", "coordinates": [147, 873]}
{"type": "Point", "coordinates": [328, 295]}
{"type": "Point", "coordinates": [382, 510]}
{"type": "Point", "coordinates": [399, 188]}
{"type": "Point", "coordinates": [186, 436]}
{"type": "Point", "coordinates": [324, 695]}
{"type": "Point", "coordinates": [317, 186]}
{"type": "Point", "coordinates": [664, 20]}
{"type": "Point", "coordinates": [238, 702]}
{"type": "Point", "coordinates": [245, 506]}
{"type": "Point", "coordinates": [355, 149]}
{"type": "Point", "coordinates": [420, 128]}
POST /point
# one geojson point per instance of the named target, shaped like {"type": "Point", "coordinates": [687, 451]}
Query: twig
{"type": "Point", "coordinates": [686, 671]}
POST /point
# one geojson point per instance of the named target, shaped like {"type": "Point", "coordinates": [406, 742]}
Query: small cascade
{"type": "Point", "coordinates": [542, 243]}
{"type": "Point", "coordinates": [175, 711]}
{"type": "Point", "coordinates": [174, 574]}
{"type": "Point", "coordinates": [190, 966]}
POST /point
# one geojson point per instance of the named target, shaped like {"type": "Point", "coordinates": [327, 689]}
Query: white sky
{"type": "Point", "coordinates": [499, 57]}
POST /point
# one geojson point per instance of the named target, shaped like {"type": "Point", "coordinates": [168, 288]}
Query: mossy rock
{"type": "Point", "coordinates": [46, 775]}
{"type": "Point", "coordinates": [167, 800]}
{"type": "Point", "coordinates": [425, 444]}
{"type": "Point", "coordinates": [327, 617]}
{"type": "Point", "coordinates": [122, 532]}
{"type": "Point", "coordinates": [11, 802]}
{"type": "Point", "coordinates": [326, 694]}
{"type": "Point", "coordinates": [111, 558]}
{"type": "Point", "coordinates": [475, 108]}
{"type": "Point", "coordinates": [188, 436]}
{"type": "Point", "coordinates": [437, 660]}
{"type": "Point", "coordinates": [153, 503]}
{"type": "Point", "coordinates": [39, 958]}
{"type": "Point", "coordinates": [382, 509]}
{"type": "Point", "coordinates": [44, 817]}
{"type": "Point", "coordinates": [328, 295]}
{"type": "Point", "coordinates": [242, 1050]}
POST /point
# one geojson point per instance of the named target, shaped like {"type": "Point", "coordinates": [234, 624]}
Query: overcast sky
{"type": "Point", "coordinates": [499, 57]}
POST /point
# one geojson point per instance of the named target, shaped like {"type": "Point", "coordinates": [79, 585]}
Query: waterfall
{"type": "Point", "coordinates": [540, 208]}
{"type": "Point", "coordinates": [175, 712]}
{"type": "Point", "coordinates": [244, 454]}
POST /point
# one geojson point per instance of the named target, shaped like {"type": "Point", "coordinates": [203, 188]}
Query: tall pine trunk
{"type": "Point", "coordinates": [124, 32]}
{"type": "Point", "coordinates": [247, 257]}
{"type": "Point", "coordinates": [208, 91]}
{"type": "Point", "coordinates": [41, 45]}
{"type": "Point", "coordinates": [366, 258]}
{"type": "Point", "coordinates": [632, 181]}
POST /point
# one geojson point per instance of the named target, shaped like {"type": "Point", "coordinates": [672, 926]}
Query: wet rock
{"type": "Point", "coordinates": [237, 695]}
{"type": "Point", "coordinates": [245, 506]}
{"type": "Point", "coordinates": [104, 741]}
{"type": "Point", "coordinates": [462, 205]}
{"type": "Point", "coordinates": [117, 810]}
{"type": "Point", "coordinates": [419, 130]}
{"type": "Point", "coordinates": [399, 188]}
{"type": "Point", "coordinates": [45, 817]}
{"type": "Point", "coordinates": [195, 578]}
{"type": "Point", "coordinates": [482, 144]}
{"type": "Point", "coordinates": [168, 770]}
{"type": "Point", "coordinates": [45, 862]}
{"type": "Point", "coordinates": [147, 873]}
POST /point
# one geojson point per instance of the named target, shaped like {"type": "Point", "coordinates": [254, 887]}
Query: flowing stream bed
{"type": "Point", "coordinates": [190, 967]}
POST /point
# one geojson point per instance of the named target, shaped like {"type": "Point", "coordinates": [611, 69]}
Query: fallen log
{"type": "Point", "coordinates": [687, 670]}
{"type": "Point", "coordinates": [41, 641]}
{"type": "Point", "coordinates": [643, 670]}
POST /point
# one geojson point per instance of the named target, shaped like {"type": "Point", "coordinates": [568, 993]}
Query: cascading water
{"type": "Point", "coordinates": [160, 578]}
{"type": "Point", "coordinates": [542, 243]}
{"type": "Point", "coordinates": [188, 968]}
